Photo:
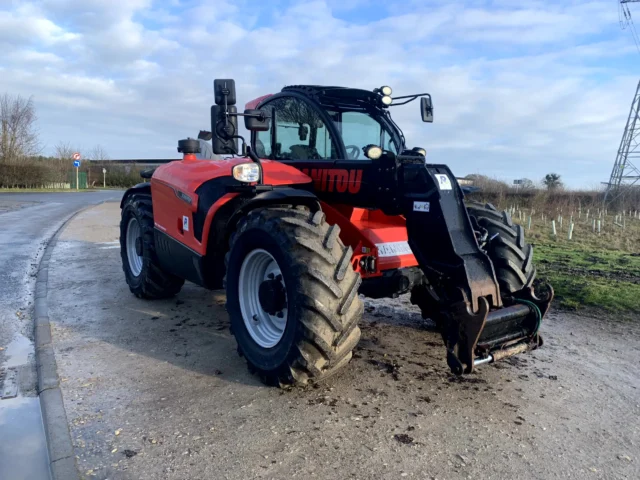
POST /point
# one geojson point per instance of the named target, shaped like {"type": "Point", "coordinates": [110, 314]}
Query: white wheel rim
{"type": "Point", "coordinates": [266, 330]}
{"type": "Point", "coordinates": [135, 260]}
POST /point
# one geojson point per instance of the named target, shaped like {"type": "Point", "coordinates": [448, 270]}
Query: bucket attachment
{"type": "Point", "coordinates": [462, 294]}
{"type": "Point", "coordinates": [486, 336]}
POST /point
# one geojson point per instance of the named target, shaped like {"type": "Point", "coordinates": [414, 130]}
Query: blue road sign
{"type": "Point", "coordinates": [76, 163]}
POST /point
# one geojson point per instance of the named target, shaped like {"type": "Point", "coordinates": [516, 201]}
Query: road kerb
{"type": "Point", "coordinates": [62, 460]}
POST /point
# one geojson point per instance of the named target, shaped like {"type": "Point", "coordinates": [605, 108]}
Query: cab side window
{"type": "Point", "coordinates": [300, 133]}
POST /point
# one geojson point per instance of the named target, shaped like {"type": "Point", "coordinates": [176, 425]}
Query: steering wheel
{"type": "Point", "coordinates": [353, 151]}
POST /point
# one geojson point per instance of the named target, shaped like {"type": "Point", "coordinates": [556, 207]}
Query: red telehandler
{"type": "Point", "coordinates": [324, 203]}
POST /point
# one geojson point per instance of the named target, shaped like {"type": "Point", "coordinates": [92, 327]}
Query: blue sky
{"type": "Point", "coordinates": [520, 88]}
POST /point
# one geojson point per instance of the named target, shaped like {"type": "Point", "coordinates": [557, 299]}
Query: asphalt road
{"type": "Point", "coordinates": [27, 221]}
{"type": "Point", "coordinates": [155, 390]}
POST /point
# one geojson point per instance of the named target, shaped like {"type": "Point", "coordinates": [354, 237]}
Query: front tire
{"type": "Point", "coordinates": [289, 270]}
{"type": "Point", "coordinates": [143, 273]}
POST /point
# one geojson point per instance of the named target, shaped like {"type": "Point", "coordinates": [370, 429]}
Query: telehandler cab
{"type": "Point", "coordinates": [326, 203]}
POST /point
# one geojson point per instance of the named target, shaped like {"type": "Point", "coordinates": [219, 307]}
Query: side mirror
{"type": "Point", "coordinates": [222, 88]}
{"type": "Point", "coordinates": [223, 140]}
{"type": "Point", "coordinates": [256, 121]}
{"type": "Point", "coordinates": [426, 109]}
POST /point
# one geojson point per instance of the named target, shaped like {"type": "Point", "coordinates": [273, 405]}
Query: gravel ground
{"type": "Point", "coordinates": [155, 390]}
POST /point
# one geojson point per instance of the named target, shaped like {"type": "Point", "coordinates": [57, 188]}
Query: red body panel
{"type": "Point", "coordinates": [364, 230]}
{"type": "Point", "coordinates": [253, 104]}
{"type": "Point", "coordinates": [186, 176]}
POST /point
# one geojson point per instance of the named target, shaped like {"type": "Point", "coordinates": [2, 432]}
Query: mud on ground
{"type": "Point", "coordinates": [156, 390]}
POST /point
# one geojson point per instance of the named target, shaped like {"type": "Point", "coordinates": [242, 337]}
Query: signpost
{"type": "Point", "coordinates": [518, 183]}
{"type": "Point", "coordinates": [76, 163]}
{"type": "Point", "coordinates": [104, 178]}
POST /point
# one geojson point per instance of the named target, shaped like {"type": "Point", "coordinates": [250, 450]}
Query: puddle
{"type": "Point", "coordinates": [17, 352]}
{"type": "Point", "coordinates": [23, 449]}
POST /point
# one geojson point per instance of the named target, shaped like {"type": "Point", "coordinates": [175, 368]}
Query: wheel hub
{"type": "Point", "coordinates": [133, 245]}
{"type": "Point", "coordinates": [263, 298]}
{"type": "Point", "coordinates": [272, 295]}
{"type": "Point", "coordinates": [139, 246]}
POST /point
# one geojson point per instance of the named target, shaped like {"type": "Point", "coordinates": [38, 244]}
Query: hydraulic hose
{"type": "Point", "coordinates": [535, 309]}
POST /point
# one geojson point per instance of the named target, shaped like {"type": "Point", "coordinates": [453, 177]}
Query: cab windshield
{"type": "Point", "coordinates": [359, 129]}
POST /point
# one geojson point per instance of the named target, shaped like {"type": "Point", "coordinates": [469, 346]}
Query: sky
{"type": "Point", "coordinates": [520, 89]}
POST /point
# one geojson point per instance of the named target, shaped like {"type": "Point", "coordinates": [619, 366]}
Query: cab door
{"type": "Point", "coordinates": [309, 138]}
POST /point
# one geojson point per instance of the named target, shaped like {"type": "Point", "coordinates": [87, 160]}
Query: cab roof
{"type": "Point", "coordinates": [330, 96]}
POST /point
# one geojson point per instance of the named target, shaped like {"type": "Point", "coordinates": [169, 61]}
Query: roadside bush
{"type": "Point", "coordinates": [118, 176]}
{"type": "Point", "coordinates": [554, 202]}
{"type": "Point", "coordinates": [47, 172]}
{"type": "Point", "coordinates": [28, 175]}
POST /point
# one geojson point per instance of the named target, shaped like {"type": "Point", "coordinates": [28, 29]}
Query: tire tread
{"type": "Point", "coordinates": [511, 255]}
{"type": "Point", "coordinates": [156, 283]}
{"type": "Point", "coordinates": [330, 309]}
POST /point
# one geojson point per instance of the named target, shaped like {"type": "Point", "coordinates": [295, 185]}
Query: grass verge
{"type": "Point", "coordinates": [591, 270]}
{"type": "Point", "coordinates": [585, 277]}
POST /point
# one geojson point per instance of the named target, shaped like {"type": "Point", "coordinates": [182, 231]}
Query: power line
{"type": "Point", "coordinates": [626, 20]}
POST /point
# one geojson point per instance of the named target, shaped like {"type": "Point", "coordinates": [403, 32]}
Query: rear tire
{"type": "Point", "coordinates": [511, 255]}
{"type": "Point", "coordinates": [320, 295]}
{"type": "Point", "coordinates": [145, 277]}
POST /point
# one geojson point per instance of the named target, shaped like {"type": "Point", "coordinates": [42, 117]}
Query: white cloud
{"type": "Point", "coordinates": [27, 56]}
{"type": "Point", "coordinates": [25, 26]}
{"type": "Point", "coordinates": [519, 89]}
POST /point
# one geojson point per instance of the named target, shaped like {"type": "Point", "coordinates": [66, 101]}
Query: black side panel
{"type": "Point", "coordinates": [208, 193]}
{"type": "Point", "coordinates": [279, 195]}
{"type": "Point", "coordinates": [441, 235]}
{"type": "Point", "coordinates": [392, 283]}
{"type": "Point", "coordinates": [144, 187]}
{"type": "Point", "coordinates": [178, 259]}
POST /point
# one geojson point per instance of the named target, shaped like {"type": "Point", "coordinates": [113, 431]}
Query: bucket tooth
{"type": "Point", "coordinates": [463, 333]}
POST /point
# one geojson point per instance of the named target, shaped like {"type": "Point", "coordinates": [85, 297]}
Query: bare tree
{"type": "Point", "coordinates": [527, 184]}
{"type": "Point", "coordinates": [98, 154]}
{"type": "Point", "coordinates": [18, 136]}
{"type": "Point", "coordinates": [63, 160]}
{"type": "Point", "coordinates": [488, 184]}
{"type": "Point", "coordinates": [99, 157]}
{"type": "Point", "coordinates": [64, 151]}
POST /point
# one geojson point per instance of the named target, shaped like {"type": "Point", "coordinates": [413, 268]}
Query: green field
{"type": "Point", "coordinates": [592, 270]}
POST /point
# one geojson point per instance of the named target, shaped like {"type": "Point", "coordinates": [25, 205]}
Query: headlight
{"type": "Point", "coordinates": [373, 152]}
{"type": "Point", "coordinates": [421, 151]}
{"type": "Point", "coordinates": [386, 90]}
{"type": "Point", "coordinates": [386, 100]}
{"type": "Point", "coordinates": [247, 172]}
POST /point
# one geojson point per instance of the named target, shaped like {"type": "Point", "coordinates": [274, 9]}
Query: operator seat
{"type": "Point", "coordinates": [206, 151]}
{"type": "Point", "coordinates": [260, 151]}
{"type": "Point", "coordinates": [304, 152]}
